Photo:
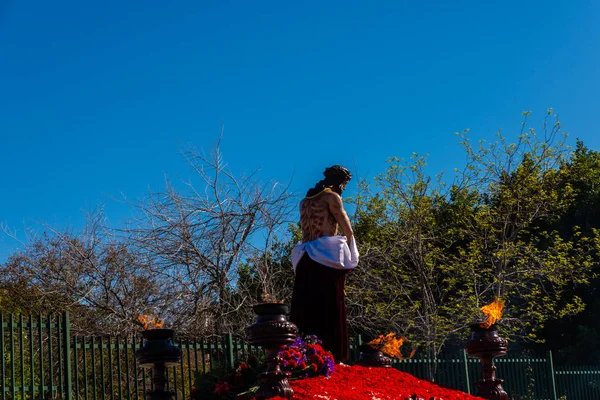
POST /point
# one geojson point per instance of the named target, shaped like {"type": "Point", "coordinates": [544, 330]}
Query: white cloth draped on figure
{"type": "Point", "coordinates": [331, 251]}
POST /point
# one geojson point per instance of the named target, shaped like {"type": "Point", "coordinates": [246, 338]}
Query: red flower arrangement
{"type": "Point", "coordinates": [305, 357]}
{"type": "Point", "coordinates": [364, 383]}
{"type": "Point", "coordinates": [308, 358]}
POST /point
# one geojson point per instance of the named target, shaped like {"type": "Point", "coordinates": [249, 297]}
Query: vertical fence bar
{"type": "Point", "coordinates": [12, 355]}
{"type": "Point", "coordinates": [59, 344]}
{"type": "Point", "coordinates": [247, 349]}
{"type": "Point", "coordinates": [202, 353]}
{"type": "Point", "coordinates": [168, 386]}
{"type": "Point", "coordinates": [182, 370]}
{"type": "Point", "coordinates": [175, 381]}
{"type": "Point", "coordinates": [67, 357]}
{"type": "Point", "coordinates": [466, 371]}
{"type": "Point", "coordinates": [456, 374]}
{"type": "Point", "coordinates": [243, 347]}
{"type": "Point", "coordinates": [189, 362]}
{"type": "Point", "coordinates": [210, 355]}
{"type": "Point", "coordinates": [543, 380]}
{"type": "Point", "coordinates": [2, 357]}
{"type": "Point", "coordinates": [135, 368]}
{"type": "Point", "coordinates": [22, 354]}
{"type": "Point", "coordinates": [511, 377]}
{"type": "Point", "coordinates": [31, 359]}
{"type": "Point", "coordinates": [577, 382]}
{"type": "Point", "coordinates": [214, 349]}
{"type": "Point", "coordinates": [103, 382]}
{"type": "Point", "coordinates": [551, 376]}
{"type": "Point", "coordinates": [357, 346]}
{"type": "Point", "coordinates": [110, 377]}
{"type": "Point", "coordinates": [85, 375]}
{"type": "Point", "coordinates": [119, 384]}
{"type": "Point", "coordinates": [446, 366]}
{"type": "Point", "coordinates": [76, 358]}
{"type": "Point", "coordinates": [93, 349]}
{"type": "Point", "coordinates": [196, 355]}
{"type": "Point", "coordinates": [41, 343]}
{"type": "Point", "coordinates": [229, 345]}
{"type": "Point", "coordinates": [584, 383]}
{"type": "Point", "coordinates": [127, 384]}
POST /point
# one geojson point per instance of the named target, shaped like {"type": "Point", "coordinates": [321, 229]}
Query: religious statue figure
{"type": "Point", "coordinates": [321, 262]}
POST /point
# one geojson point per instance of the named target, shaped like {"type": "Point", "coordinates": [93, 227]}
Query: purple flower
{"type": "Point", "coordinates": [312, 339]}
{"type": "Point", "coordinates": [298, 342]}
{"type": "Point", "coordinates": [295, 357]}
{"type": "Point", "coordinates": [329, 367]}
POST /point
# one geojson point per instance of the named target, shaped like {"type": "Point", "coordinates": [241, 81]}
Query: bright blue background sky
{"type": "Point", "coordinates": [97, 97]}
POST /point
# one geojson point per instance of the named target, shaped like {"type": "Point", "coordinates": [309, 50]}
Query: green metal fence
{"type": "Point", "coordinates": [578, 382]}
{"type": "Point", "coordinates": [107, 368]}
{"type": "Point", "coordinates": [42, 360]}
{"type": "Point", "coordinates": [35, 355]}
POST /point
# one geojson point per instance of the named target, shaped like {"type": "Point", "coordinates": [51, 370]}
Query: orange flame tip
{"type": "Point", "coordinates": [149, 322]}
{"type": "Point", "coordinates": [493, 311]}
{"type": "Point", "coordinates": [391, 345]}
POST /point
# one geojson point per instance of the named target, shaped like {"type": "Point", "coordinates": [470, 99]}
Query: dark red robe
{"type": "Point", "coordinates": [318, 306]}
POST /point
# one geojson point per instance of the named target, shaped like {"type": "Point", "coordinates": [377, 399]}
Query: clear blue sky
{"type": "Point", "coordinates": [96, 97]}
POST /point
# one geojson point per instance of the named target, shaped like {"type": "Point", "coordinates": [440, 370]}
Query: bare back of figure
{"type": "Point", "coordinates": [315, 218]}
{"type": "Point", "coordinates": [320, 215]}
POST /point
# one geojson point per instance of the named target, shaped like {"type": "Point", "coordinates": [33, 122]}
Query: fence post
{"type": "Point", "coordinates": [466, 367]}
{"type": "Point", "coordinates": [67, 355]}
{"type": "Point", "coordinates": [357, 344]}
{"type": "Point", "coordinates": [13, 382]}
{"type": "Point", "coordinates": [552, 377]}
{"type": "Point", "coordinates": [229, 350]}
{"type": "Point", "coordinates": [2, 367]}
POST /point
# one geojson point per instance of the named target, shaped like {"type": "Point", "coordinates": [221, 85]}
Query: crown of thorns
{"type": "Point", "coordinates": [338, 171]}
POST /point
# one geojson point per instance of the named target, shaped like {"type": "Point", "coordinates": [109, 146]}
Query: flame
{"type": "Point", "coordinates": [493, 311]}
{"type": "Point", "coordinates": [268, 298]}
{"type": "Point", "coordinates": [390, 345]}
{"type": "Point", "coordinates": [149, 322]}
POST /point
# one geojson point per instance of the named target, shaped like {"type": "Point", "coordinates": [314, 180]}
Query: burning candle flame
{"type": "Point", "coordinates": [149, 322]}
{"type": "Point", "coordinates": [268, 298]}
{"type": "Point", "coordinates": [390, 345]}
{"type": "Point", "coordinates": [493, 311]}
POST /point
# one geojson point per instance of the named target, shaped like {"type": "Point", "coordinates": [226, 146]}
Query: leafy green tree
{"type": "Point", "coordinates": [573, 337]}
{"type": "Point", "coordinates": [432, 253]}
{"type": "Point", "coordinates": [408, 281]}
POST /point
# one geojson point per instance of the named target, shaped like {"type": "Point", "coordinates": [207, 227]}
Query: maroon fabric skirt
{"type": "Point", "coordinates": [318, 305]}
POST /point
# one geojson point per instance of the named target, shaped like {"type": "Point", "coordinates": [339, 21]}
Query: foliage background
{"type": "Point", "coordinates": [518, 220]}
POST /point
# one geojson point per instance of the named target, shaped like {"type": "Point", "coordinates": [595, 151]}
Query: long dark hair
{"type": "Point", "coordinates": [335, 176]}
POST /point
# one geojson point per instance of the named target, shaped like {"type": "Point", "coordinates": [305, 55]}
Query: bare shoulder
{"type": "Point", "coordinates": [334, 199]}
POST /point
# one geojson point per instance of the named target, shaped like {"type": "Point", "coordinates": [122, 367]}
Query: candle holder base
{"type": "Point", "coordinates": [272, 330]}
{"type": "Point", "coordinates": [370, 357]}
{"type": "Point", "coordinates": [486, 344]}
{"type": "Point", "coordinates": [273, 384]}
{"type": "Point", "coordinates": [492, 389]}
